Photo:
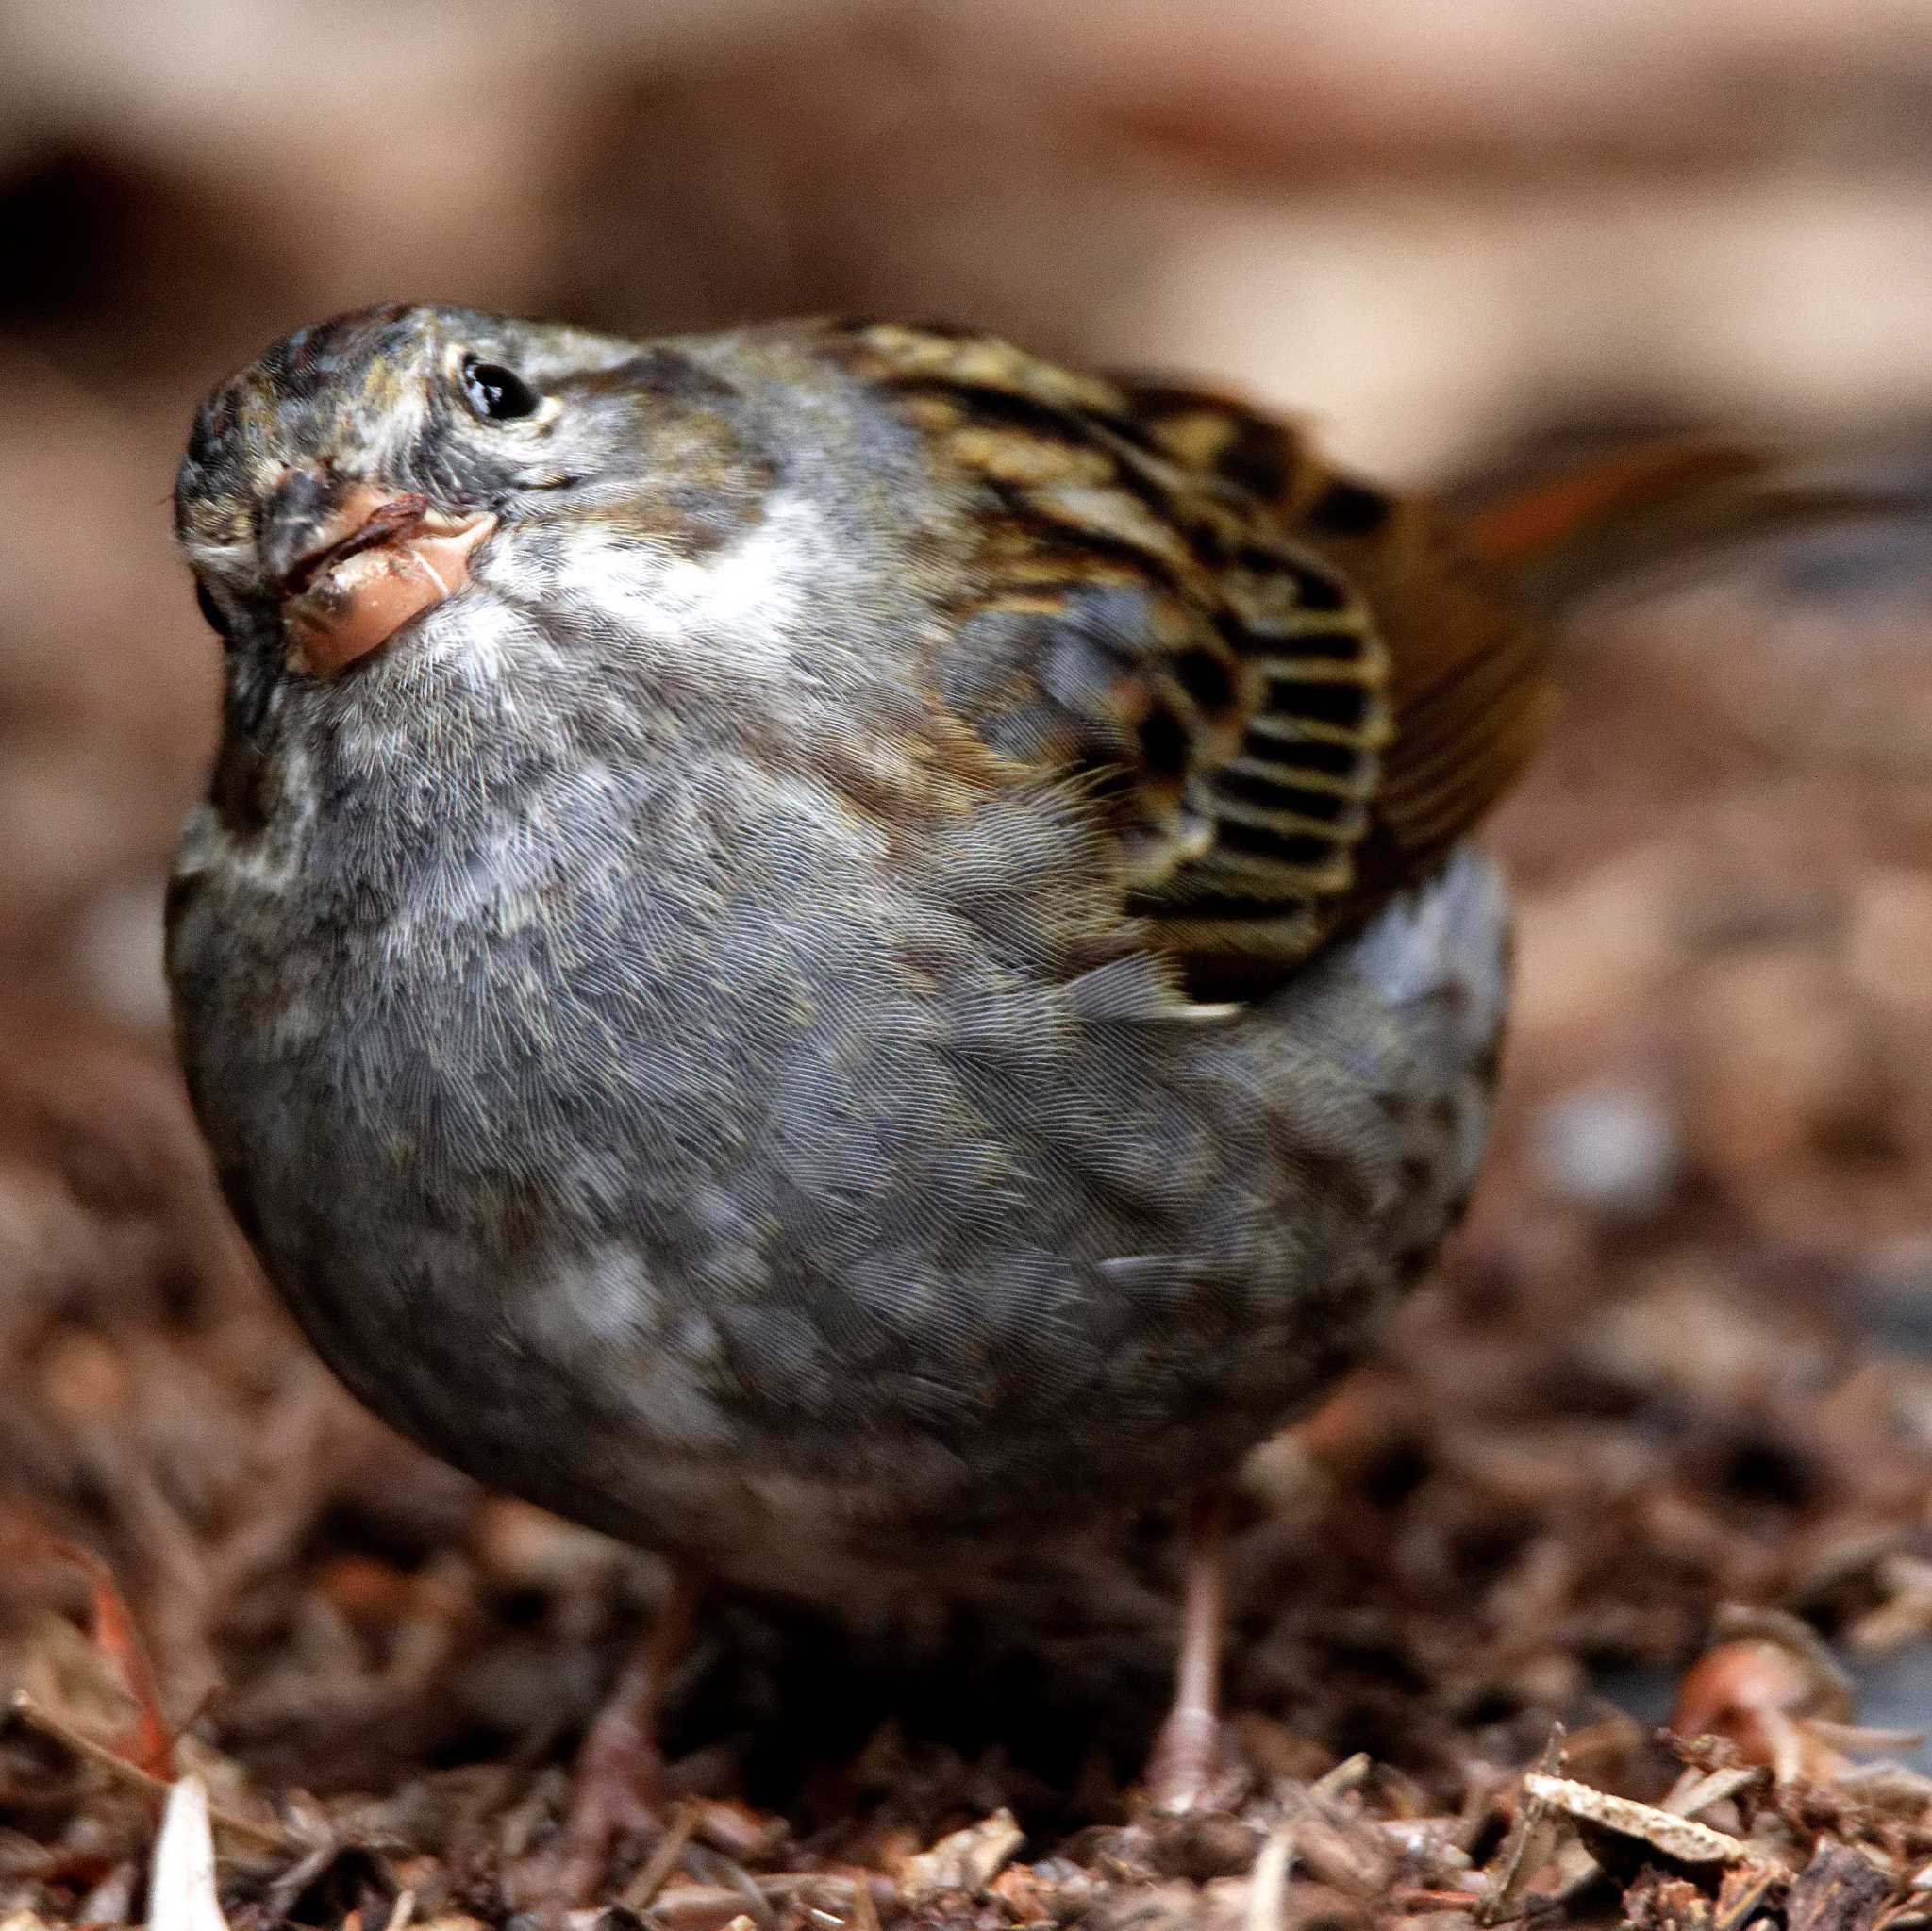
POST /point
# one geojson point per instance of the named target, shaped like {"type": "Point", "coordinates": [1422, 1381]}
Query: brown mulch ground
{"type": "Point", "coordinates": [1656, 1448]}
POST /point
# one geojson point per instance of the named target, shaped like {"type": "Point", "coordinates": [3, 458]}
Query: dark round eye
{"type": "Point", "coordinates": [497, 394]}
{"type": "Point", "coordinates": [210, 610]}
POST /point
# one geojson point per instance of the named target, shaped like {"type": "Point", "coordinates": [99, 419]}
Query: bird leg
{"type": "Point", "coordinates": [619, 1785]}
{"type": "Point", "coordinates": [1182, 1761]}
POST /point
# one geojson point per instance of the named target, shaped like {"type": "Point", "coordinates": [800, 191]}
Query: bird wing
{"type": "Point", "coordinates": [1461, 677]}
{"type": "Point", "coordinates": [1291, 692]}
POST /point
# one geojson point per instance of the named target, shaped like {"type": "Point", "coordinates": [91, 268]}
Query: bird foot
{"type": "Point", "coordinates": [618, 1791]}
{"type": "Point", "coordinates": [619, 1787]}
{"type": "Point", "coordinates": [1182, 1765]}
{"type": "Point", "coordinates": [1181, 1769]}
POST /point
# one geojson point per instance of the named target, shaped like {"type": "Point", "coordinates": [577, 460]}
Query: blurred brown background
{"type": "Point", "coordinates": [1446, 233]}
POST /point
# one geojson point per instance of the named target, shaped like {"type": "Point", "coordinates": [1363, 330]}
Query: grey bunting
{"type": "Point", "coordinates": [832, 948]}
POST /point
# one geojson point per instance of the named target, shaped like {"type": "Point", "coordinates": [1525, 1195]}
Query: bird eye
{"type": "Point", "coordinates": [210, 610]}
{"type": "Point", "coordinates": [497, 394]}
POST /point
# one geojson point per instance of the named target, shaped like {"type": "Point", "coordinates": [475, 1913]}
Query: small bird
{"type": "Point", "coordinates": [832, 948]}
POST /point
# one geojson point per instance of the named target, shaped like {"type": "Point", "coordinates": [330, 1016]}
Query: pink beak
{"type": "Point", "coordinates": [355, 564]}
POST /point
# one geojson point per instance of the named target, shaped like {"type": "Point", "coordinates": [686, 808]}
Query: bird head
{"type": "Point", "coordinates": [367, 469]}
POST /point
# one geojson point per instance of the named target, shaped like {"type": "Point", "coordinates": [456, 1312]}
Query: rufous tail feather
{"type": "Point", "coordinates": [1652, 507]}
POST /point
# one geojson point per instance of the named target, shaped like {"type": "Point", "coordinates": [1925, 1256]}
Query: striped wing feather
{"type": "Point", "coordinates": [1293, 692]}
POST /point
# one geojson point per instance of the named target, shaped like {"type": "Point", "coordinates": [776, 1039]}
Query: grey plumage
{"type": "Point", "coordinates": [679, 1066]}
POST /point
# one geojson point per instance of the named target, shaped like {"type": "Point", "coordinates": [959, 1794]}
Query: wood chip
{"type": "Point", "coordinates": [1657, 1902]}
{"type": "Point", "coordinates": [1525, 1844]}
{"type": "Point", "coordinates": [1838, 1890]}
{"type": "Point", "coordinates": [967, 1861]}
{"type": "Point", "coordinates": [1697, 1790]}
{"type": "Point", "coordinates": [1348, 1776]}
{"type": "Point", "coordinates": [181, 1893]}
{"type": "Point", "coordinates": [1268, 1882]}
{"type": "Point", "coordinates": [1741, 1894]}
{"type": "Point", "coordinates": [652, 1876]}
{"type": "Point", "coordinates": [1679, 1837]}
{"type": "Point", "coordinates": [1336, 1844]}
